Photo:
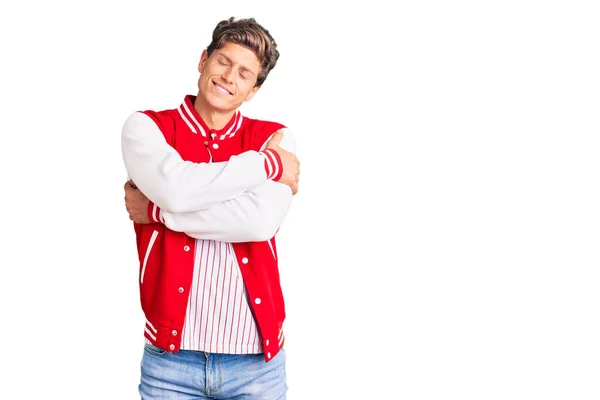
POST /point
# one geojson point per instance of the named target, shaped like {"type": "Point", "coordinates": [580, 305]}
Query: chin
{"type": "Point", "coordinates": [221, 106]}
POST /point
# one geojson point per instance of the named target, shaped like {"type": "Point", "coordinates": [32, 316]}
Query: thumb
{"type": "Point", "coordinates": [275, 140]}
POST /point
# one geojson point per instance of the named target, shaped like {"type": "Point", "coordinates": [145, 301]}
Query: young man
{"type": "Point", "coordinates": [209, 189]}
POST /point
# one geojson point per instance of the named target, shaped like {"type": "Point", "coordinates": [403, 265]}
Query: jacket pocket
{"type": "Point", "coordinates": [148, 250]}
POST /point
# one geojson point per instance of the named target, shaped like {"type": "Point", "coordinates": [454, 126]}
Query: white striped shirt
{"type": "Point", "coordinates": [218, 317]}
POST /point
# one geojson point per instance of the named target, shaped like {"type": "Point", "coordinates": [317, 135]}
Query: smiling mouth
{"type": "Point", "coordinates": [222, 89]}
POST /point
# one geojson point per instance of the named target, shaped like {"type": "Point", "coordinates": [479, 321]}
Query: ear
{"type": "Point", "coordinates": [252, 93]}
{"type": "Point", "coordinates": [203, 59]}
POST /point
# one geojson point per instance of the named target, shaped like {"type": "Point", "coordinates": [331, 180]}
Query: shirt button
{"type": "Point", "coordinates": [186, 248]}
{"type": "Point", "coordinates": [215, 146]}
{"type": "Point", "coordinates": [180, 290]}
{"type": "Point", "coordinates": [257, 300]}
{"type": "Point", "coordinates": [267, 342]}
{"type": "Point", "coordinates": [174, 332]}
{"type": "Point", "coordinates": [206, 143]}
{"type": "Point", "coordinates": [213, 135]}
{"type": "Point", "coordinates": [172, 347]}
{"type": "Point", "coordinates": [244, 260]}
{"type": "Point", "coordinates": [269, 355]}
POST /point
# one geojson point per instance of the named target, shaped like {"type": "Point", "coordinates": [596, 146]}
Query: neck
{"type": "Point", "coordinates": [215, 119]}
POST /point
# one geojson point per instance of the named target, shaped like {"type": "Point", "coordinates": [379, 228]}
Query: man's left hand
{"type": "Point", "coordinates": [136, 203]}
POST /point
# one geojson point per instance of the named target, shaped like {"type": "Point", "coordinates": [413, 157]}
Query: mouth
{"type": "Point", "coordinates": [221, 89]}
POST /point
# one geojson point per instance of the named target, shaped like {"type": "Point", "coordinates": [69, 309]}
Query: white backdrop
{"type": "Point", "coordinates": [444, 242]}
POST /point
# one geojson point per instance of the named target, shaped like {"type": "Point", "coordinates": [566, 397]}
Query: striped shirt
{"type": "Point", "coordinates": [219, 318]}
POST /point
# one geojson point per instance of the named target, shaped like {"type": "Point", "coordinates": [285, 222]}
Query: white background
{"type": "Point", "coordinates": [444, 242]}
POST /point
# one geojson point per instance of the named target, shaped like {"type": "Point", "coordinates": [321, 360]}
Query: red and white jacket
{"type": "Point", "coordinates": [206, 184]}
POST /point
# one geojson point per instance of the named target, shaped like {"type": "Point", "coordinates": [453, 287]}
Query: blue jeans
{"type": "Point", "coordinates": [200, 375]}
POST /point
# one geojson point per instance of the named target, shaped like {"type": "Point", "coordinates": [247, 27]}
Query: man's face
{"type": "Point", "coordinates": [228, 76]}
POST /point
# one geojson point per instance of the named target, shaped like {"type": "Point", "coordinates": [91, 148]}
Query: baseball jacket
{"type": "Point", "coordinates": [206, 184]}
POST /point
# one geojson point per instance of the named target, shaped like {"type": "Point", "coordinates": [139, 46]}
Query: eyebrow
{"type": "Point", "coordinates": [246, 69]}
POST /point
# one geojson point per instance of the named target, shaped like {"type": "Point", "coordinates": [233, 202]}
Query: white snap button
{"type": "Point", "coordinates": [174, 332]}
{"type": "Point", "coordinates": [172, 347]}
{"type": "Point", "coordinates": [257, 300]}
{"type": "Point", "coordinates": [180, 290]}
{"type": "Point", "coordinates": [244, 260]}
{"type": "Point", "coordinates": [215, 146]}
{"type": "Point", "coordinates": [186, 248]}
{"type": "Point", "coordinates": [267, 342]}
{"type": "Point", "coordinates": [269, 355]}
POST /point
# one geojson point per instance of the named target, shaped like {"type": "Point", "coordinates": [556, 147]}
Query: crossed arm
{"type": "Point", "coordinates": [231, 201]}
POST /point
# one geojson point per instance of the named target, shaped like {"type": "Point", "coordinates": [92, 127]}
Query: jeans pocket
{"type": "Point", "coordinates": [154, 350]}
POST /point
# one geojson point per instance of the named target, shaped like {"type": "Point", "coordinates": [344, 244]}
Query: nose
{"type": "Point", "coordinates": [228, 75]}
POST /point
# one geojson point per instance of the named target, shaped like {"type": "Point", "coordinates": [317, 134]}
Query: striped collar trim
{"type": "Point", "coordinates": [188, 114]}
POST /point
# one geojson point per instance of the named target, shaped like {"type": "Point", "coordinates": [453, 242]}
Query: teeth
{"type": "Point", "coordinates": [220, 89]}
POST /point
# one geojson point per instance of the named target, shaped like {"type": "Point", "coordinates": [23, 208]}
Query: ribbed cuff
{"type": "Point", "coordinates": [155, 213]}
{"type": "Point", "coordinates": [273, 164]}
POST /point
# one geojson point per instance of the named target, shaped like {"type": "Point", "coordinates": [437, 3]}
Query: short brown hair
{"type": "Point", "coordinates": [250, 34]}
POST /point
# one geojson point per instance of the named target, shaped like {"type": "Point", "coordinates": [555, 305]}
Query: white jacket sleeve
{"type": "Point", "coordinates": [254, 216]}
{"type": "Point", "coordinates": [175, 185]}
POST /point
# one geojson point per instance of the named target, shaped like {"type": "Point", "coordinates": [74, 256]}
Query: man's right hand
{"type": "Point", "coordinates": [291, 164]}
{"type": "Point", "coordinates": [136, 203]}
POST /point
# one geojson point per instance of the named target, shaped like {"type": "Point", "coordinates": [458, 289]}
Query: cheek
{"type": "Point", "coordinates": [246, 89]}
{"type": "Point", "coordinates": [203, 80]}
